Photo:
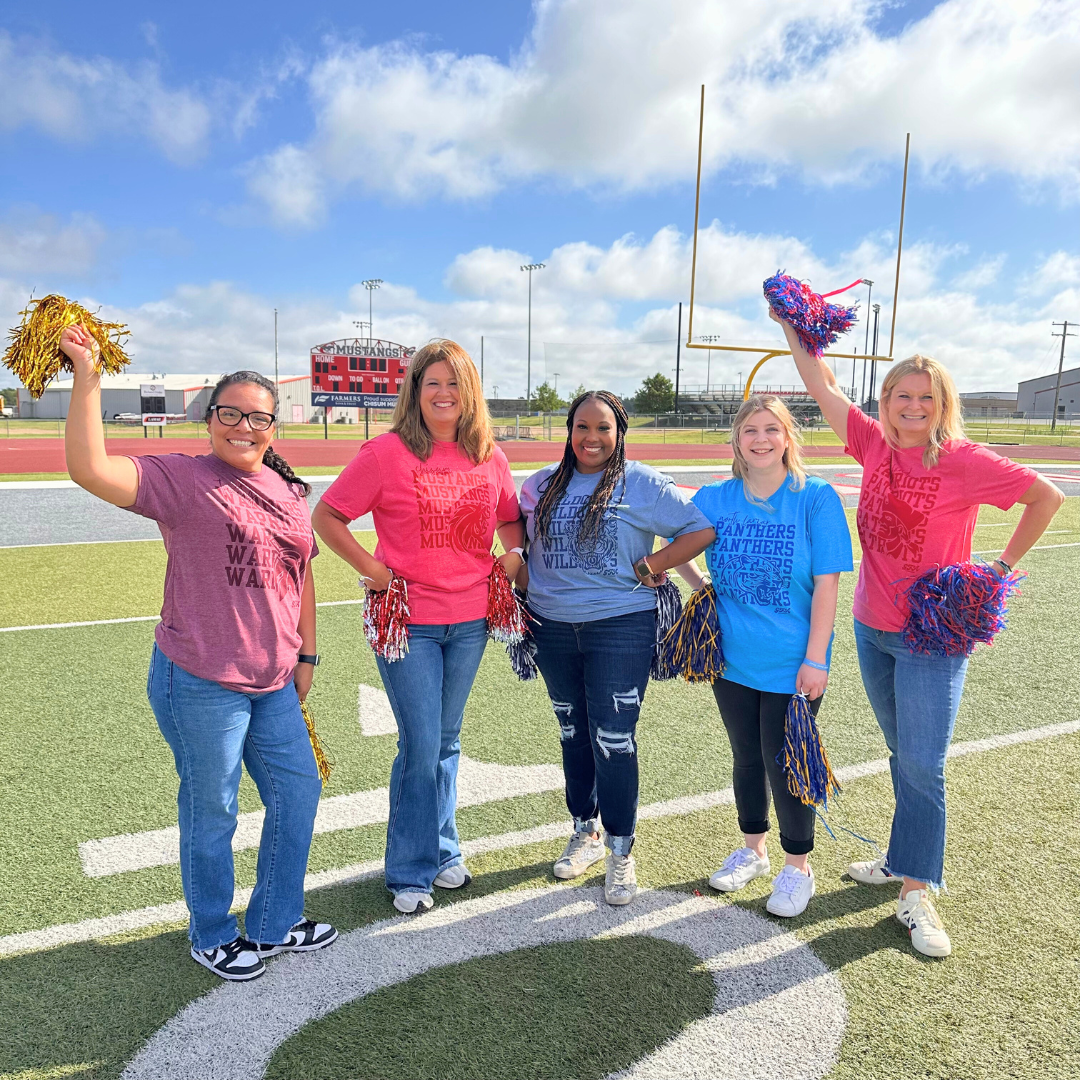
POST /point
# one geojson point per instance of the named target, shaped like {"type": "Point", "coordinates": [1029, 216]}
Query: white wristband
{"type": "Point", "coordinates": [519, 551]}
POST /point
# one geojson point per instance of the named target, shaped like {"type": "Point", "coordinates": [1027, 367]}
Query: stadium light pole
{"type": "Point", "coordinates": [708, 366]}
{"type": "Point", "coordinates": [530, 267]}
{"type": "Point", "coordinates": [371, 285]}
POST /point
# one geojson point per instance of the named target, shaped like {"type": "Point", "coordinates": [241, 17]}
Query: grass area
{"type": "Point", "coordinates": [81, 757]}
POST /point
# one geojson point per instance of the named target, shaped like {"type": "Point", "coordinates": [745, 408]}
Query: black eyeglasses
{"type": "Point", "coordinates": [230, 417]}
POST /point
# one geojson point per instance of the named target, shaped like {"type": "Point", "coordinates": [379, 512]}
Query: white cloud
{"type": "Point", "coordinates": [35, 243]}
{"type": "Point", "coordinates": [593, 305]}
{"type": "Point", "coordinates": [607, 96]}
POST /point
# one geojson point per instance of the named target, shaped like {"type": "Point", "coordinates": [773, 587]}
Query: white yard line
{"type": "Point", "coordinates": [348, 603]}
{"type": "Point", "coordinates": [176, 912]}
{"type": "Point", "coordinates": [138, 618]}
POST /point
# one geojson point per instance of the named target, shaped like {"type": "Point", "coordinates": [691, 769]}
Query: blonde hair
{"type": "Point", "coordinates": [948, 419]}
{"type": "Point", "coordinates": [475, 437]}
{"type": "Point", "coordinates": [792, 454]}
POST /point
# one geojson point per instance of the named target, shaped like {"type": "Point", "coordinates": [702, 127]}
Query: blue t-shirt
{"type": "Point", "coordinates": [569, 582]}
{"type": "Point", "coordinates": [762, 566]}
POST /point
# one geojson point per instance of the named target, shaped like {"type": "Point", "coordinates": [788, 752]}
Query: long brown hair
{"type": "Point", "coordinates": [475, 437]}
{"type": "Point", "coordinates": [948, 419]}
{"type": "Point", "coordinates": [792, 455]}
{"type": "Point", "coordinates": [555, 486]}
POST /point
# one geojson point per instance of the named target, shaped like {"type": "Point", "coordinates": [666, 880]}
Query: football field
{"type": "Point", "coordinates": [517, 976]}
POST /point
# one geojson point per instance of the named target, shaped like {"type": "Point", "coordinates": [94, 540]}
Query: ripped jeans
{"type": "Point", "coordinates": [596, 674]}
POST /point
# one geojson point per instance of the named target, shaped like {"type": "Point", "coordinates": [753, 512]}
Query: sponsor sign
{"type": "Point", "coordinates": [353, 401]}
{"type": "Point", "coordinates": [154, 419]}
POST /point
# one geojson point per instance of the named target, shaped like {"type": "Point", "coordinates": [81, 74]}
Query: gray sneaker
{"type": "Point", "coordinates": [580, 853]}
{"type": "Point", "coordinates": [620, 887]}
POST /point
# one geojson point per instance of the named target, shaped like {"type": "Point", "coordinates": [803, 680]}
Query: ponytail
{"type": "Point", "coordinates": [273, 460]}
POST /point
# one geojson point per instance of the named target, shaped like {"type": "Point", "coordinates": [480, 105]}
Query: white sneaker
{"type": "Point", "coordinates": [791, 892]}
{"type": "Point", "coordinates": [580, 853]}
{"type": "Point", "coordinates": [872, 873]}
{"type": "Point", "coordinates": [413, 902]}
{"type": "Point", "coordinates": [620, 887]}
{"type": "Point", "coordinates": [739, 869]}
{"type": "Point", "coordinates": [917, 912]}
{"type": "Point", "coordinates": [453, 877]}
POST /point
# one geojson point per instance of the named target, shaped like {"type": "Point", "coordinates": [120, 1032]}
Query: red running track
{"type": "Point", "coordinates": [47, 455]}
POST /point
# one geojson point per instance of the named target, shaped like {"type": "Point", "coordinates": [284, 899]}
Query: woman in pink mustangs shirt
{"type": "Point", "coordinates": [923, 483]}
{"type": "Point", "coordinates": [233, 656]}
{"type": "Point", "coordinates": [438, 489]}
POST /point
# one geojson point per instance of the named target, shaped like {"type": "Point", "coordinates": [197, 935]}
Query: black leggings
{"type": "Point", "coordinates": [755, 725]}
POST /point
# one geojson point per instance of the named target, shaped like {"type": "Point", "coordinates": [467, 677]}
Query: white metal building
{"type": "Point", "coordinates": [184, 394]}
{"type": "Point", "coordinates": [1035, 397]}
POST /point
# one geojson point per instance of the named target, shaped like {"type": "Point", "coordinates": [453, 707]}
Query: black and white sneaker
{"type": "Point", "coordinates": [305, 936]}
{"type": "Point", "coordinates": [237, 961]}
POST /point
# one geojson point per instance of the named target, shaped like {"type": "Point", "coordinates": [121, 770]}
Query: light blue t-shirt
{"type": "Point", "coordinates": [762, 565]}
{"type": "Point", "coordinates": [569, 582]}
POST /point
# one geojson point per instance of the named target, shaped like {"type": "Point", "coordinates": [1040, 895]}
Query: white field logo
{"type": "Point", "coordinates": [778, 1010]}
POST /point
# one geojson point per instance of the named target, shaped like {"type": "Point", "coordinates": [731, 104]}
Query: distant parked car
{"type": "Point", "coordinates": [128, 417]}
{"type": "Point", "coordinates": [6, 412]}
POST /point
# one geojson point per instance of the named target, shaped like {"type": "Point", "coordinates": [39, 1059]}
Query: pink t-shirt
{"type": "Point", "coordinates": [435, 520]}
{"type": "Point", "coordinates": [911, 518]}
{"type": "Point", "coordinates": [239, 546]}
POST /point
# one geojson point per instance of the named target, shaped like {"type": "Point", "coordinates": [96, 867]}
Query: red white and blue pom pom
{"type": "Point", "coordinates": [809, 774]}
{"type": "Point", "coordinates": [506, 614]}
{"type": "Point", "coordinates": [669, 608]}
{"type": "Point", "coordinates": [386, 619]}
{"type": "Point", "coordinates": [818, 324]}
{"type": "Point", "coordinates": [954, 608]}
{"type": "Point", "coordinates": [692, 646]}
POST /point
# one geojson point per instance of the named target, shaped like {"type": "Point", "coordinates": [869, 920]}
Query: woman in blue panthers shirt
{"type": "Point", "coordinates": [782, 541]}
{"type": "Point", "coordinates": [592, 521]}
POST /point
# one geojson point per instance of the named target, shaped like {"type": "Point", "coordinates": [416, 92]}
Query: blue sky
{"type": "Point", "coordinates": [190, 168]}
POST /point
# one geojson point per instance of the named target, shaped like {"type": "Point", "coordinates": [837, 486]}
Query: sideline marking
{"type": "Point", "coordinates": [777, 1011]}
{"type": "Point", "coordinates": [176, 912]}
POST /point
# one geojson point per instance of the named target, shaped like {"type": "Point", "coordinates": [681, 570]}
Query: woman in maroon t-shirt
{"type": "Point", "coordinates": [923, 483]}
{"type": "Point", "coordinates": [233, 655]}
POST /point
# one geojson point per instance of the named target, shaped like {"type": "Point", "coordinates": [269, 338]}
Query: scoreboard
{"type": "Point", "coordinates": [358, 373]}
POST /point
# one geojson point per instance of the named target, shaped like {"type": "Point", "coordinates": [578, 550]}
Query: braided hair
{"type": "Point", "coordinates": [555, 486]}
{"type": "Point", "coordinates": [271, 459]}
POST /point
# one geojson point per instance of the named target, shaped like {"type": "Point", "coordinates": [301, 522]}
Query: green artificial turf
{"type": "Point", "coordinates": [996, 1008]}
{"type": "Point", "coordinates": [81, 758]}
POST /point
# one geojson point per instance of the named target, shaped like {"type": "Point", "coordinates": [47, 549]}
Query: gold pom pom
{"type": "Point", "coordinates": [34, 353]}
{"type": "Point", "coordinates": [323, 762]}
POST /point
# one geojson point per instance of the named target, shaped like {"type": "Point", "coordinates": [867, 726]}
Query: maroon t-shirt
{"type": "Point", "coordinates": [239, 545]}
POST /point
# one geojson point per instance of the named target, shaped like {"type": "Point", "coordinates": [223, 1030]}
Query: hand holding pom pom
{"type": "Point", "coordinates": [818, 324]}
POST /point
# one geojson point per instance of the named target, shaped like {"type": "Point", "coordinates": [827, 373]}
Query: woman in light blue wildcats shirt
{"type": "Point", "coordinates": [592, 521]}
{"type": "Point", "coordinates": [782, 541]}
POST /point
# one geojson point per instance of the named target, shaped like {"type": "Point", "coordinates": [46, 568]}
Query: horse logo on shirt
{"type": "Point", "coordinates": [469, 519]}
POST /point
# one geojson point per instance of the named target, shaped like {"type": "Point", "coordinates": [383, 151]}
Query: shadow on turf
{"type": "Point", "coordinates": [99, 1001]}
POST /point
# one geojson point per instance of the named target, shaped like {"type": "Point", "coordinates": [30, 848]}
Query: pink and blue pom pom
{"type": "Point", "coordinates": [818, 324]}
{"type": "Point", "coordinates": [954, 608]}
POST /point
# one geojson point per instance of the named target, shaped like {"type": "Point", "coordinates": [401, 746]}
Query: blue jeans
{"type": "Point", "coordinates": [596, 674]}
{"type": "Point", "coordinates": [915, 700]}
{"type": "Point", "coordinates": [210, 731]}
{"type": "Point", "coordinates": [428, 689]}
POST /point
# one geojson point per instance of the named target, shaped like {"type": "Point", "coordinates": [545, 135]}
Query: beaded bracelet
{"type": "Point", "coordinates": [815, 665]}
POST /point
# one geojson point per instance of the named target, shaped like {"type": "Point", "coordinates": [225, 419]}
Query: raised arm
{"type": "Point", "coordinates": [819, 380]}
{"type": "Point", "coordinates": [114, 479]}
